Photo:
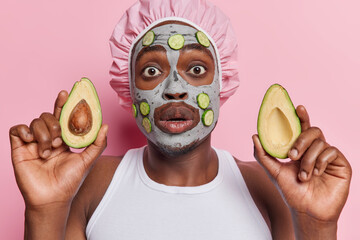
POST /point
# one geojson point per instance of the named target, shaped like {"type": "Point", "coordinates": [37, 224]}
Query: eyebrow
{"type": "Point", "coordinates": [196, 46]}
{"type": "Point", "coordinates": [154, 48]}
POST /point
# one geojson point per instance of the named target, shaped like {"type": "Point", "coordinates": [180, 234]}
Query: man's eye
{"type": "Point", "coordinates": [151, 72]}
{"type": "Point", "coordinates": [197, 70]}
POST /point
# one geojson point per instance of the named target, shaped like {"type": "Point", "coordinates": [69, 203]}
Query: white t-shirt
{"type": "Point", "coordinates": [136, 207]}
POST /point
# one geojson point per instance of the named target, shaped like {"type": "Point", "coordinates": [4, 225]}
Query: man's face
{"type": "Point", "coordinates": [170, 81]}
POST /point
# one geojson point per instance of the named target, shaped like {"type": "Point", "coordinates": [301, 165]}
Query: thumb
{"type": "Point", "coordinates": [92, 152]}
{"type": "Point", "coordinates": [269, 163]}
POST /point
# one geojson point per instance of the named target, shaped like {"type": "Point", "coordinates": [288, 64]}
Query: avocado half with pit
{"type": "Point", "coordinates": [278, 125]}
{"type": "Point", "coordinates": [81, 117]}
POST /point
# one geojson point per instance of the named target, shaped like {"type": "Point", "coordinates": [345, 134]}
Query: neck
{"type": "Point", "coordinates": [193, 168]}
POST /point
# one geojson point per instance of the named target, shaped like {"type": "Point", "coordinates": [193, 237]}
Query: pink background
{"type": "Point", "coordinates": [310, 47]}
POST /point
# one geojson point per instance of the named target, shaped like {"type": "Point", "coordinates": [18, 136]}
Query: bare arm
{"type": "Point", "coordinates": [48, 174]}
{"type": "Point", "coordinates": [315, 183]}
{"type": "Point", "coordinates": [268, 200]}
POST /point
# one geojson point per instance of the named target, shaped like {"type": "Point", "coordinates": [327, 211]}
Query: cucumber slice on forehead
{"type": "Point", "coordinates": [144, 108]}
{"type": "Point", "coordinates": [176, 41]}
{"type": "Point", "coordinates": [134, 110]}
{"type": "Point", "coordinates": [203, 100]}
{"type": "Point", "coordinates": [148, 38]}
{"type": "Point", "coordinates": [202, 39]}
{"type": "Point", "coordinates": [146, 124]}
{"type": "Point", "coordinates": [208, 117]}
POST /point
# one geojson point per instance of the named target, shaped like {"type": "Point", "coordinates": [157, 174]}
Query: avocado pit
{"type": "Point", "coordinates": [80, 120]}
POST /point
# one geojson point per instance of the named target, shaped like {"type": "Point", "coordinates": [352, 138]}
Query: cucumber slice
{"type": "Point", "coordinates": [208, 117]}
{"type": "Point", "coordinates": [146, 124]}
{"type": "Point", "coordinates": [203, 100]}
{"type": "Point", "coordinates": [134, 110]}
{"type": "Point", "coordinates": [202, 39]}
{"type": "Point", "coordinates": [148, 38]}
{"type": "Point", "coordinates": [144, 108]}
{"type": "Point", "coordinates": [176, 41]}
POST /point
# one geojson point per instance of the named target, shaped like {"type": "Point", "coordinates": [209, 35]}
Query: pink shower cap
{"type": "Point", "coordinates": [145, 14]}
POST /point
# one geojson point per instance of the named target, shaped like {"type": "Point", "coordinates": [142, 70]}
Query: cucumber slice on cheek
{"type": "Point", "coordinates": [146, 124]}
{"type": "Point", "coordinates": [176, 41]}
{"type": "Point", "coordinates": [144, 108]}
{"type": "Point", "coordinates": [203, 100]}
{"type": "Point", "coordinates": [134, 110]}
{"type": "Point", "coordinates": [208, 117]}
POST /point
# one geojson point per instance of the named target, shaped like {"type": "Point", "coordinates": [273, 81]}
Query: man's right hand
{"type": "Point", "coordinates": [46, 171]}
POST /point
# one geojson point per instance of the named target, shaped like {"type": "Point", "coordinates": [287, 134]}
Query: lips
{"type": "Point", "coordinates": [176, 117]}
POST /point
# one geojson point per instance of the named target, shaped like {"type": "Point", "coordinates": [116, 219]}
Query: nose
{"type": "Point", "coordinates": [176, 96]}
{"type": "Point", "coordinates": [174, 89]}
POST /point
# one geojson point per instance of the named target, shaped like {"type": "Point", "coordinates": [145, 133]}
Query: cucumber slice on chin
{"type": "Point", "coordinates": [202, 39]}
{"type": "Point", "coordinates": [176, 41]}
{"type": "Point", "coordinates": [144, 108]}
{"type": "Point", "coordinates": [203, 100]}
{"type": "Point", "coordinates": [208, 117]}
{"type": "Point", "coordinates": [146, 124]}
{"type": "Point", "coordinates": [148, 38]}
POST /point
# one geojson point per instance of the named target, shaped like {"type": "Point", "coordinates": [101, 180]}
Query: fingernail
{"type": "Point", "coordinates": [303, 175]}
{"type": "Point", "coordinates": [316, 171]}
{"type": "Point", "coordinates": [57, 141]}
{"type": "Point", "coordinates": [29, 136]}
{"type": "Point", "coordinates": [46, 153]}
{"type": "Point", "coordinates": [293, 152]}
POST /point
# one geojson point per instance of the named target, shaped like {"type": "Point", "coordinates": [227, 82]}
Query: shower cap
{"type": "Point", "coordinates": [145, 14]}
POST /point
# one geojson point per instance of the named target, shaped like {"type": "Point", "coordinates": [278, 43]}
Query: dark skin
{"type": "Point", "coordinates": [61, 189]}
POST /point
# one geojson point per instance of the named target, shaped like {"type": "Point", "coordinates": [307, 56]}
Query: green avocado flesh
{"type": "Point", "coordinates": [81, 117]}
{"type": "Point", "coordinates": [278, 125]}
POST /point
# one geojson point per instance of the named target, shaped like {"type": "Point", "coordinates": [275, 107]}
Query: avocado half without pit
{"type": "Point", "coordinates": [278, 125]}
{"type": "Point", "coordinates": [81, 117]}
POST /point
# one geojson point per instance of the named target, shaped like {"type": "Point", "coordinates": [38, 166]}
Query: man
{"type": "Point", "coordinates": [178, 186]}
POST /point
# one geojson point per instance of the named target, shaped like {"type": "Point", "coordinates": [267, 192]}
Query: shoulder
{"type": "Point", "coordinates": [267, 198]}
{"type": "Point", "coordinates": [97, 182]}
{"type": "Point", "coordinates": [91, 192]}
{"type": "Point", "coordinates": [255, 178]}
{"type": "Point", "coordinates": [258, 185]}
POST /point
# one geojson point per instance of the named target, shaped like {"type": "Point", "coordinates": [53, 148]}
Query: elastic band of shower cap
{"type": "Point", "coordinates": [145, 14]}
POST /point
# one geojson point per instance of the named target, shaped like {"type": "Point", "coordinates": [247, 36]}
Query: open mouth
{"type": "Point", "coordinates": [176, 117]}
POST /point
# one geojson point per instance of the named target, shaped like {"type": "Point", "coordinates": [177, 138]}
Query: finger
{"type": "Point", "coordinates": [59, 103]}
{"type": "Point", "coordinates": [269, 163]}
{"type": "Point", "coordinates": [304, 118]}
{"type": "Point", "coordinates": [309, 159]}
{"type": "Point", "coordinates": [326, 157]}
{"type": "Point", "coordinates": [54, 128]}
{"type": "Point", "coordinates": [304, 141]}
{"type": "Point", "coordinates": [18, 135]}
{"type": "Point", "coordinates": [42, 136]}
{"type": "Point", "coordinates": [92, 152]}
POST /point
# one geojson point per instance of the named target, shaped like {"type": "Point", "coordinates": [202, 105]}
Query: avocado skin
{"type": "Point", "coordinates": [77, 93]}
{"type": "Point", "coordinates": [295, 122]}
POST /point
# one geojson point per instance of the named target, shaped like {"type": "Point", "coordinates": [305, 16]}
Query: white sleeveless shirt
{"type": "Point", "coordinates": [135, 207]}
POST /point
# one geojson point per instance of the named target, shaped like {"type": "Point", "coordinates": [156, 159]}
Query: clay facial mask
{"type": "Point", "coordinates": [175, 114]}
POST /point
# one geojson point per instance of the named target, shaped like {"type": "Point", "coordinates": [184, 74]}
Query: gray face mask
{"type": "Point", "coordinates": [159, 121]}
